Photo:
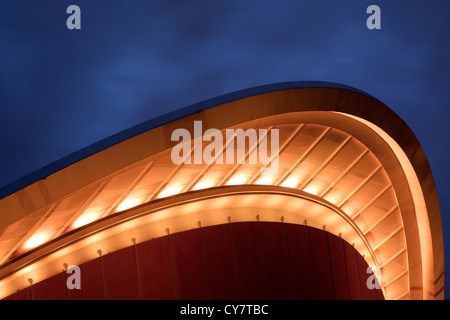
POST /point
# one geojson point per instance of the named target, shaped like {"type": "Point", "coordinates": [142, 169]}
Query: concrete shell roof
{"type": "Point", "coordinates": [396, 178]}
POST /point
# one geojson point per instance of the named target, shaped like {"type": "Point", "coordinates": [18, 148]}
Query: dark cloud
{"type": "Point", "coordinates": [61, 90]}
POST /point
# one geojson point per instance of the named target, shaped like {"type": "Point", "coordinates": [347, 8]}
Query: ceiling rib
{"type": "Point", "coordinates": [395, 278]}
{"type": "Point", "coordinates": [30, 233]}
{"type": "Point", "coordinates": [368, 204]}
{"type": "Point", "coordinates": [303, 156]}
{"type": "Point", "coordinates": [326, 162]}
{"type": "Point", "coordinates": [318, 139]}
{"type": "Point", "coordinates": [381, 219]}
{"type": "Point", "coordinates": [402, 295]}
{"type": "Point", "coordinates": [208, 166]}
{"type": "Point", "coordinates": [345, 172]}
{"type": "Point", "coordinates": [250, 150]}
{"type": "Point", "coordinates": [392, 258]}
{"type": "Point", "coordinates": [130, 188]}
{"type": "Point", "coordinates": [360, 186]}
{"type": "Point", "coordinates": [83, 208]}
{"type": "Point", "coordinates": [393, 233]}
{"type": "Point", "coordinates": [174, 171]}
{"type": "Point", "coordinates": [281, 148]}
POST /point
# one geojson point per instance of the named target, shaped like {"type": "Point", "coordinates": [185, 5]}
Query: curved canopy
{"type": "Point", "coordinates": [337, 146]}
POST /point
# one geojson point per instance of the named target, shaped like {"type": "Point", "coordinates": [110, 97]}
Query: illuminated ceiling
{"type": "Point", "coordinates": [334, 157]}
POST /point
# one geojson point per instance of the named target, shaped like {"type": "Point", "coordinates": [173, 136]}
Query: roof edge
{"type": "Point", "coordinates": [159, 121]}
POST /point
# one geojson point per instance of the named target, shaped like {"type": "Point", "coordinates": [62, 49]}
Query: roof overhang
{"type": "Point", "coordinates": [344, 147]}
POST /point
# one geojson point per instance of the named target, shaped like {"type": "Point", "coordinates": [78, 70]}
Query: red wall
{"type": "Point", "coordinates": [246, 260]}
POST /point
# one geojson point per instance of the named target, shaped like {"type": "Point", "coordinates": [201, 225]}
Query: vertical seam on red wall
{"type": "Point", "coordinates": [331, 264]}
{"type": "Point", "coordinates": [264, 259]}
{"type": "Point", "coordinates": [137, 269]}
{"type": "Point", "coordinates": [289, 259]}
{"type": "Point", "coordinates": [312, 260]}
{"type": "Point", "coordinates": [234, 260]}
{"type": "Point", "coordinates": [67, 288]}
{"type": "Point", "coordinates": [173, 269]}
{"type": "Point", "coordinates": [204, 263]}
{"type": "Point", "coordinates": [31, 295]}
{"type": "Point", "coordinates": [103, 276]}
{"type": "Point", "coordinates": [359, 277]}
{"type": "Point", "coordinates": [346, 269]}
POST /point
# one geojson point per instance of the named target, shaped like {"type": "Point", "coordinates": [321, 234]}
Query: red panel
{"type": "Point", "coordinates": [24, 294]}
{"type": "Point", "coordinates": [220, 262]}
{"type": "Point", "coordinates": [276, 259]}
{"type": "Point", "coordinates": [155, 269]}
{"type": "Point", "coordinates": [366, 293]}
{"type": "Point", "coordinates": [301, 264]}
{"type": "Point", "coordinates": [91, 282]}
{"type": "Point", "coordinates": [338, 267]}
{"type": "Point", "coordinates": [249, 260]}
{"type": "Point", "coordinates": [352, 271]}
{"type": "Point", "coordinates": [323, 278]}
{"type": "Point", "coordinates": [53, 288]}
{"type": "Point", "coordinates": [189, 265]}
{"type": "Point", "coordinates": [378, 294]}
{"type": "Point", "coordinates": [121, 279]}
{"type": "Point", "coordinates": [372, 294]}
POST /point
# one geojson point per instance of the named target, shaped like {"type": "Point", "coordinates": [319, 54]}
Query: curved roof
{"type": "Point", "coordinates": [337, 144]}
{"type": "Point", "coordinates": [159, 121]}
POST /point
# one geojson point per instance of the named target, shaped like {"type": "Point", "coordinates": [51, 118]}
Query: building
{"type": "Point", "coordinates": [353, 192]}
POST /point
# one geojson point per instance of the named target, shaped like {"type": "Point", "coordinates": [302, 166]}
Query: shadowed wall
{"type": "Point", "coordinates": [245, 260]}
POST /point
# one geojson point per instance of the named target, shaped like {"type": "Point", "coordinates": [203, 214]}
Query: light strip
{"type": "Point", "coordinates": [69, 223]}
{"type": "Point", "coordinates": [206, 167]}
{"type": "Point", "coordinates": [120, 202]}
{"type": "Point", "coordinates": [165, 182]}
{"type": "Point", "coordinates": [29, 234]}
{"type": "Point", "coordinates": [233, 171]}
{"type": "Point", "coordinates": [178, 213]}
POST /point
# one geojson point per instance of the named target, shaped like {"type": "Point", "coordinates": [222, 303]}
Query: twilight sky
{"type": "Point", "coordinates": [62, 90]}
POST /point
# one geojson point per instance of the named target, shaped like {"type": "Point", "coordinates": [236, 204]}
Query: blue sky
{"type": "Point", "coordinates": [61, 90]}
